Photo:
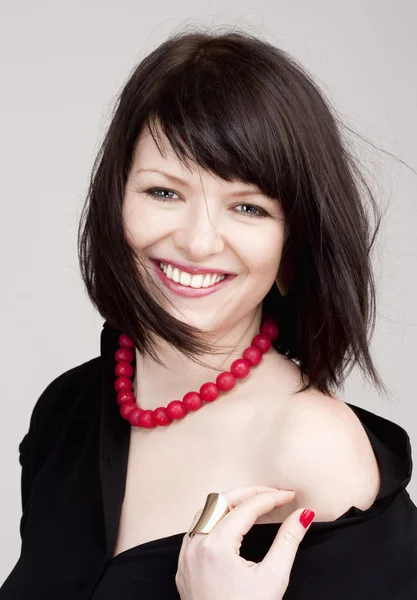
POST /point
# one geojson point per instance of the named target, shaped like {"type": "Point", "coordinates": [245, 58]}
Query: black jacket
{"type": "Point", "coordinates": [74, 462]}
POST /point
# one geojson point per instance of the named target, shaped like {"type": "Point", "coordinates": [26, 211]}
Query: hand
{"type": "Point", "coordinates": [210, 567]}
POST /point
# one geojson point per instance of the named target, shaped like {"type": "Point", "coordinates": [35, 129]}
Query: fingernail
{"type": "Point", "coordinates": [306, 517]}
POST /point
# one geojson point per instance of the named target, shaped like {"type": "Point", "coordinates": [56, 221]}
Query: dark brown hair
{"type": "Point", "coordinates": [243, 109]}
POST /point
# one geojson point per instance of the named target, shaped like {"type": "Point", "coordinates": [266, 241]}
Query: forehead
{"type": "Point", "coordinates": [154, 152]}
{"type": "Point", "coordinates": [150, 154]}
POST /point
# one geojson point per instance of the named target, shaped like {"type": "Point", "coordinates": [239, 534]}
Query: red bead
{"type": "Point", "coordinates": [262, 342]}
{"type": "Point", "coordinates": [123, 369]}
{"type": "Point", "coordinates": [146, 419]}
{"type": "Point", "coordinates": [125, 396]}
{"type": "Point", "coordinates": [240, 368]}
{"type": "Point", "coordinates": [126, 408]}
{"type": "Point", "coordinates": [225, 381]}
{"type": "Point", "coordinates": [270, 330]}
{"type": "Point", "coordinates": [192, 401]}
{"type": "Point", "coordinates": [161, 416]}
{"type": "Point", "coordinates": [267, 318]}
{"type": "Point", "coordinates": [253, 355]}
{"type": "Point", "coordinates": [176, 409]}
{"type": "Point", "coordinates": [123, 354]}
{"type": "Point", "coordinates": [209, 391]}
{"type": "Point", "coordinates": [133, 416]}
{"type": "Point", "coordinates": [125, 342]}
{"type": "Point", "coordinates": [123, 383]}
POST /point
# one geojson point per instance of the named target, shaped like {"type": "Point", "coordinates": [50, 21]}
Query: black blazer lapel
{"type": "Point", "coordinates": [114, 442]}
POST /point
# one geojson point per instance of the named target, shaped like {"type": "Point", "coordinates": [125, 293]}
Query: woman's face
{"type": "Point", "coordinates": [206, 223]}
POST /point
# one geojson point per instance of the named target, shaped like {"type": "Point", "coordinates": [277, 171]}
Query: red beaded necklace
{"type": "Point", "coordinates": [177, 409]}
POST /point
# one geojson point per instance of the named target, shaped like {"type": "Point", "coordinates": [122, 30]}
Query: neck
{"type": "Point", "coordinates": [156, 385]}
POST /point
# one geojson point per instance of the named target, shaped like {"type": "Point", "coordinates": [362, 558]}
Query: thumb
{"type": "Point", "coordinates": [281, 555]}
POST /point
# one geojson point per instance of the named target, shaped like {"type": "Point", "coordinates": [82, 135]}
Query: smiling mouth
{"type": "Point", "coordinates": [185, 279]}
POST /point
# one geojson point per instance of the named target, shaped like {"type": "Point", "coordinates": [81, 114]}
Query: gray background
{"type": "Point", "coordinates": [62, 64]}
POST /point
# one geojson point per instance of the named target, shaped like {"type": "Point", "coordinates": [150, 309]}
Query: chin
{"type": "Point", "coordinates": [203, 319]}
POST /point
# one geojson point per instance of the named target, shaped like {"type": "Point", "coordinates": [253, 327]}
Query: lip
{"type": "Point", "coordinates": [193, 270]}
{"type": "Point", "coordinates": [190, 292]}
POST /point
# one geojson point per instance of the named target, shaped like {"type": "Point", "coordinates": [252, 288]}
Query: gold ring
{"type": "Point", "coordinates": [215, 509]}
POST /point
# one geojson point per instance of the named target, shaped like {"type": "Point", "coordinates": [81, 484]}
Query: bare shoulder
{"type": "Point", "coordinates": [328, 457]}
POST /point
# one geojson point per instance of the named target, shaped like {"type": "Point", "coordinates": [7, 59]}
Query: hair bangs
{"type": "Point", "coordinates": [220, 120]}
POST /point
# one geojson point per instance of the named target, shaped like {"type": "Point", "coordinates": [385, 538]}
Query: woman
{"type": "Point", "coordinates": [222, 173]}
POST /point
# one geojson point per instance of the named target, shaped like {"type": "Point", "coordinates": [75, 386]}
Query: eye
{"type": "Point", "coordinates": [152, 192]}
{"type": "Point", "coordinates": [259, 212]}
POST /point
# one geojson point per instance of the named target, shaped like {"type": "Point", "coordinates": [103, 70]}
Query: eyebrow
{"type": "Point", "coordinates": [245, 192]}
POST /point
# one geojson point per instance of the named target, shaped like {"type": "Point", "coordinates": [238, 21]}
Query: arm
{"type": "Point", "coordinates": [332, 466]}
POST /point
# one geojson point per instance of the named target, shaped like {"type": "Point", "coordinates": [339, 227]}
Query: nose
{"type": "Point", "coordinates": [197, 236]}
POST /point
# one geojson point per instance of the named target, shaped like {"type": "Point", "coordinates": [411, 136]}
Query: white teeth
{"type": "Point", "coordinates": [176, 275]}
{"type": "Point", "coordinates": [185, 278]}
{"type": "Point", "coordinates": [197, 281]}
{"type": "Point", "coordinates": [188, 280]}
{"type": "Point", "coordinates": [207, 281]}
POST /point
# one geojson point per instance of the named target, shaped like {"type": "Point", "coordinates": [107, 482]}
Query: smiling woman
{"type": "Point", "coordinates": [222, 173]}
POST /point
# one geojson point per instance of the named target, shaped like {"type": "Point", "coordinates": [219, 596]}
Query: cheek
{"type": "Point", "coordinates": [142, 226]}
{"type": "Point", "coordinates": [263, 252]}
{"type": "Point", "coordinates": [136, 235]}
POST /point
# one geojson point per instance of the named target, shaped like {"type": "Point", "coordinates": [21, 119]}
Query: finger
{"type": "Point", "coordinates": [235, 496]}
{"type": "Point", "coordinates": [281, 555]}
{"type": "Point", "coordinates": [238, 522]}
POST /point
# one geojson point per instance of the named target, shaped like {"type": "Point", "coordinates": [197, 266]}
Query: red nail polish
{"type": "Point", "coordinates": [306, 517]}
